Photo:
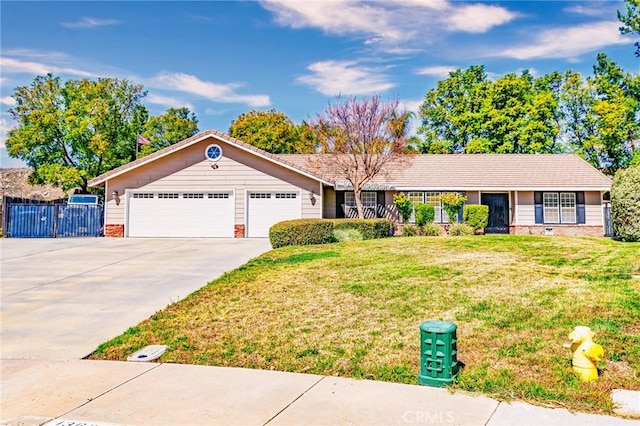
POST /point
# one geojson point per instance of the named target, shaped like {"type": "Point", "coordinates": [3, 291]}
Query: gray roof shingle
{"type": "Point", "coordinates": [483, 172]}
{"type": "Point", "coordinates": [436, 172]}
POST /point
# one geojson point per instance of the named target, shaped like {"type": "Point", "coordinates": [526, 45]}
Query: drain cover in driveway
{"type": "Point", "coordinates": [148, 353]}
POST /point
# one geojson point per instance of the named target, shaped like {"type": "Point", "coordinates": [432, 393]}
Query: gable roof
{"type": "Point", "coordinates": [485, 172]}
{"type": "Point", "coordinates": [480, 172]}
{"type": "Point", "coordinates": [300, 168]}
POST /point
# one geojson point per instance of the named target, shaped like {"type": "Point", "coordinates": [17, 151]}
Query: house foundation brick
{"type": "Point", "coordinates": [238, 231]}
{"type": "Point", "coordinates": [561, 230]}
{"type": "Point", "coordinates": [114, 230]}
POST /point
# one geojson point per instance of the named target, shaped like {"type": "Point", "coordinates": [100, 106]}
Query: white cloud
{"type": "Point", "coordinates": [412, 105]}
{"type": "Point", "coordinates": [389, 25]}
{"type": "Point", "coordinates": [429, 4]}
{"type": "Point", "coordinates": [224, 93]}
{"type": "Point", "coordinates": [167, 101]}
{"type": "Point", "coordinates": [336, 16]}
{"type": "Point", "coordinates": [18, 66]}
{"type": "Point", "coordinates": [5, 126]}
{"type": "Point", "coordinates": [479, 18]}
{"type": "Point", "coordinates": [36, 54]}
{"type": "Point", "coordinates": [333, 78]}
{"type": "Point", "coordinates": [595, 9]}
{"type": "Point", "coordinates": [211, 111]}
{"type": "Point", "coordinates": [441, 71]}
{"type": "Point", "coordinates": [88, 22]}
{"type": "Point", "coordinates": [7, 100]}
{"type": "Point", "coordinates": [568, 42]}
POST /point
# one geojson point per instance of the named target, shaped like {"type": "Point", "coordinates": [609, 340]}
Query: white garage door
{"type": "Point", "coordinates": [265, 209]}
{"type": "Point", "coordinates": [181, 214]}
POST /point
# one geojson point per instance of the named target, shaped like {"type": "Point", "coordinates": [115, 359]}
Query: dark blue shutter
{"type": "Point", "coordinates": [380, 208]}
{"type": "Point", "coordinates": [537, 199]}
{"type": "Point", "coordinates": [580, 207]}
{"type": "Point", "coordinates": [461, 210]}
{"type": "Point", "coordinates": [339, 203]}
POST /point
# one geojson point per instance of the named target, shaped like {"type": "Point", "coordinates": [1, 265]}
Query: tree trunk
{"type": "Point", "coordinates": [356, 194]}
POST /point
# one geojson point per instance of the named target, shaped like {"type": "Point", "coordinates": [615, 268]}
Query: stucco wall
{"type": "Point", "coordinates": [189, 170]}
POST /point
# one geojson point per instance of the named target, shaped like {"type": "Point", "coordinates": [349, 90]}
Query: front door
{"type": "Point", "coordinates": [498, 213]}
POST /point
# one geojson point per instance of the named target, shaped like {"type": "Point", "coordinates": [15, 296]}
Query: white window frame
{"type": "Point", "coordinates": [416, 197]}
{"type": "Point", "coordinates": [434, 198]}
{"type": "Point", "coordinates": [559, 207]}
{"type": "Point", "coordinates": [369, 202]}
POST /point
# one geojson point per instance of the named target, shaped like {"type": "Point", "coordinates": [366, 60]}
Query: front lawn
{"type": "Point", "coordinates": [353, 309]}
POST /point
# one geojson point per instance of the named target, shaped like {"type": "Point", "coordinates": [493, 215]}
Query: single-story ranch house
{"type": "Point", "coordinates": [212, 185]}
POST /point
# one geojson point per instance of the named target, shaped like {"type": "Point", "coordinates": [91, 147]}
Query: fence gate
{"type": "Point", "coordinates": [53, 220]}
{"type": "Point", "coordinates": [608, 222]}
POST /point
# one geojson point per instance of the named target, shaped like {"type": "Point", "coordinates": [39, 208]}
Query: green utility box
{"type": "Point", "coordinates": [438, 353]}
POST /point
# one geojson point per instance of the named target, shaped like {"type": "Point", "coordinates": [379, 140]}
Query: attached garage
{"type": "Point", "coordinates": [181, 214]}
{"type": "Point", "coordinates": [209, 185]}
{"type": "Point", "coordinates": [264, 209]}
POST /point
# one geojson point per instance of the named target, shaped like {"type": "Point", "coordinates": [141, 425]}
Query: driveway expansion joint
{"type": "Point", "coordinates": [108, 390]}
{"type": "Point", "coordinates": [295, 399]}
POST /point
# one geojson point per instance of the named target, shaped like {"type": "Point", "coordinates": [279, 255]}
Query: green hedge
{"type": "Point", "coordinates": [476, 216]}
{"type": "Point", "coordinates": [625, 204]}
{"type": "Point", "coordinates": [301, 232]}
{"type": "Point", "coordinates": [369, 228]}
{"type": "Point", "coordinates": [425, 213]}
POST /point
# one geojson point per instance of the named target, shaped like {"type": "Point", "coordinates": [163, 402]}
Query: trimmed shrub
{"type": "Point", "coordinates": [425, 213]}
{"type": "Point", "coordinates": [345, 235]}
{"type": "Point", "coordinates": [431, 230]}
{"type": "Point", "coordinates": [300, 232]}
{"type": "Point", "coordinates": [409, 231]}
{"type": "Point", "coordinates": [369, 228]}
{"type": "Point", "coordinates": [625, 204]}
{"type": "Point", "coordinates": [476, 216]}
{"type": "Point", "coordinates": [461, 229]}
{"type": "Point", "coordinates": [404, 205]}
{"type": "Point", "coordinates": [452, 202]}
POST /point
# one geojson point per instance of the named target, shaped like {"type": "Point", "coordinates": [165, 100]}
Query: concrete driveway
{"type": "Point", "coordinates": [61, 298]}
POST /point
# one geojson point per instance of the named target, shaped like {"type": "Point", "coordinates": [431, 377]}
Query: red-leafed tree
{"type": "Point", "coordinates": [362, 137]}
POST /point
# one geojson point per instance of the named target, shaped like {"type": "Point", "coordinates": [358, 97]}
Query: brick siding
{"type": "Point", "coordinates": [563, 230]}
{"type": "Point", "coordinates": [112, 230]}
{"type": "Point", "coordinates": [238, 231]}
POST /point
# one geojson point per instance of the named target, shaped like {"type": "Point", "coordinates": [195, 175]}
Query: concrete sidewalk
{"type": "Point", "coordinates": [80, 392]}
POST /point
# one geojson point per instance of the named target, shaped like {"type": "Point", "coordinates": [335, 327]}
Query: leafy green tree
{"type": "Point", "coordinates": [361, 137]}
{"type": "Point", "coordinates": [631, 21]}
{"type": "Point", "coordinates": [452, 112]}
{"type": "Point", "coordinates": [171, 127]}
{"type": "Point", "coordinates": [576, 109]}
{"type": "Point", "coordinates": [273, 132]}
{"type": "Point", "coordinates": [518, 117]}
{"type": "Point", "coordinates": [467, 113]}
{"type": "Point", "coordinates": [602, 115]}
{"type": "Point", "coordinates": [69, 133]}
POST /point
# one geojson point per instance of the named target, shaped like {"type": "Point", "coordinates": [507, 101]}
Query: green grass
{"type": "Point", "coordinates": [353, 309]}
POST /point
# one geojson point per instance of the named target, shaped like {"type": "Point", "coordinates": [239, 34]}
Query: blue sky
{"type": "Point", "coordinates": [223, 58]}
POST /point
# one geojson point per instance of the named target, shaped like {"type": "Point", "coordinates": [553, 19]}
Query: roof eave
{"type": "Point", "coordinates": [503, 189]}
{"type": "Point", "coordinates": [102, 179]}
